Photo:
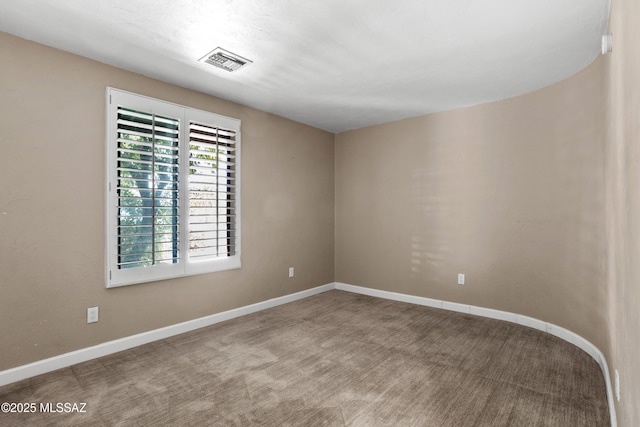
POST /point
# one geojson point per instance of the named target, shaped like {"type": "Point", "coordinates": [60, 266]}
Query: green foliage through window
{"type": "Point", "coordinates": [148, 185]}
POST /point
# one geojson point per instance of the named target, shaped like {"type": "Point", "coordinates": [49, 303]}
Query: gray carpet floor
{"type": "Point", "coordinates": [333, 359]}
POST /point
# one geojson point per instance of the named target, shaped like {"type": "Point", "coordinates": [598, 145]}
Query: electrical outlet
{"type": "Point", "coordinates": [92, 314]}
{"type": "Point", "coordinates": [291, 271]}
{"type": "Point", "coordinates": [460, 279]}
{"type": "Point", "coordinates": [617, 385]}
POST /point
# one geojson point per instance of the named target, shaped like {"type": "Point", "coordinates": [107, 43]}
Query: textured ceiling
{"type": "Point", "coordinates": [334, 64]}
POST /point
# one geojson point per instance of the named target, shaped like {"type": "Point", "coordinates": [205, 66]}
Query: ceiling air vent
{"type": "Point", "coordinates": [224, 59]}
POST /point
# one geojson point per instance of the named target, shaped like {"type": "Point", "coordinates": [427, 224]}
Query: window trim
{"type": "Point", "coordinates": [116, 277]}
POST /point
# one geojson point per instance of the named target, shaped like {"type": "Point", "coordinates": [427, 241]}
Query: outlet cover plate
{"type": "Point", "coordinates": [92, 314]}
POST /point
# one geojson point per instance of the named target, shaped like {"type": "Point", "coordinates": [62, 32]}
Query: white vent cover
{"type": "Point", "coordinates": [224, 59]}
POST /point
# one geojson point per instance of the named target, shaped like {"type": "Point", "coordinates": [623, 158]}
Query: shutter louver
{"type": "Point", "coordinates": [147, 189]}
{"type": "Point", "coordinates": [212, 192]}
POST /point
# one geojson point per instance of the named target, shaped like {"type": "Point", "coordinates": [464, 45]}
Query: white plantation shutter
{"type": "Point", "coordinates": [147, 189]}
{"type": "Point", "coordinates": [173, 196]}
{"type": "Point", "coordinates": [212, 191]}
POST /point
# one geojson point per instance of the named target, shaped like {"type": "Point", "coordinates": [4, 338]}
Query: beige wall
{"type": "Point", "coordinates": [52, 113]}
{"type": "Point", "coordinates": [510, 193]}
{"type": "Point", "coordinates": [623, 205]}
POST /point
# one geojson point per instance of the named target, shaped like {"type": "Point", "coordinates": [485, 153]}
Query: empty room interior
{"type": "Point", "coordinates": [327, 213]}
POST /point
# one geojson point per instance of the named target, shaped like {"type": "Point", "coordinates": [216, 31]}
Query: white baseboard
{"type": "Point", "coordinates": [558, 331]}
{"type": "Point", "coordinates": [67, 359]}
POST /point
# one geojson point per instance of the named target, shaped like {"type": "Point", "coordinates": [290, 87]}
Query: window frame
{"type": "Point", "coordinates": [185, 266]}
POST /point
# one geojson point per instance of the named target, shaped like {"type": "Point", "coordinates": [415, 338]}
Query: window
{"type": "Point", "coordinates": [173, 205]}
